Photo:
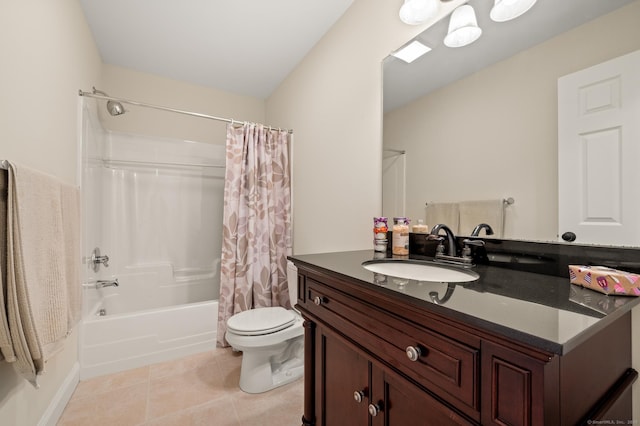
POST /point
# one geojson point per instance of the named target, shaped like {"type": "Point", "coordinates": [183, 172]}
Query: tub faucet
{"type": "Point", "coordinates": [107, 283]}
{"type": "Point", "coordinates": [451, 240]}
{"type": "Point", "coordinates": [487, 229]}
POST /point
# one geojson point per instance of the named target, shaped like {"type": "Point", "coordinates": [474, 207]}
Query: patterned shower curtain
{"type": "Point", "coordinates": [257, 222]}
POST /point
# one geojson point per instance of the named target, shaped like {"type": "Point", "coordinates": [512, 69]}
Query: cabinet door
{"type": "Point", "coordinates": [341, 371]}
{"type": "Point", "coordinates": [512, 388]}
{"type": "Point", "coordinates": [400, 403]}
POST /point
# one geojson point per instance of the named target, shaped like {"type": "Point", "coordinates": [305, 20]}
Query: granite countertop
{"type": "Point", "coordinates": [543, 311]}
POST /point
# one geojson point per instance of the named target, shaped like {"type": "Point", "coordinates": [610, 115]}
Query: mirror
{"type": "Point", "coordinates": [480, 122]}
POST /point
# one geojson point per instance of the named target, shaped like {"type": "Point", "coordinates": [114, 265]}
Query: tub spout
{"type": "Point", "coordinates": [107, 283]}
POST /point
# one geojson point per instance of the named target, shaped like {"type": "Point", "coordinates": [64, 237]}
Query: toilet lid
{"type": "Point", "coordinates": [261, 321]}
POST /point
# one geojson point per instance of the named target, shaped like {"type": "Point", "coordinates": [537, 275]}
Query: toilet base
{"type": "Point", "coordinates": [266, 369]}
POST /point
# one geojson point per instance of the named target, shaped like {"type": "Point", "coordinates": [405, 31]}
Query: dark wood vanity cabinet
{"type": "Point", "coordinates": [376, 360]}
{"type": "Point", "coordinates": [354, 389]}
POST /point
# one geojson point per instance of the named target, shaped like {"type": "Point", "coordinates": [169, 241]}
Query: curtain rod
{"type": "Point", "coordinates": [163, 108]}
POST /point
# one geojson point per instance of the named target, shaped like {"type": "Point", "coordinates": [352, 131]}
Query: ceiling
{"type": "Point", "coordinates": [246, 47]}
{"type": "Point", "coordinates": [404, 82]}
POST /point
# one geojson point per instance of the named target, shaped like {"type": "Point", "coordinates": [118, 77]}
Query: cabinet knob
{"type": "Point", "coordinates": [374, 409]}
{"type": "Point", "coordinates": [413, 352]}
{"type": "Point", "coordinates": [359, 396]}
{"type": "Point", "coordinates": [317, 300]}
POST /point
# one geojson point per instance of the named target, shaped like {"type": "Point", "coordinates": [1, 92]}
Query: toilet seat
{"type": "Point", "coordinates": [260, 321]}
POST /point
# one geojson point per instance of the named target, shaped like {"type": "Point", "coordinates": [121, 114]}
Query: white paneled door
{"type": "Point", "coordinates": [599, 153]}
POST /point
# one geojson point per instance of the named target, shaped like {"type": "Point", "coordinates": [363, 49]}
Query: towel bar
{"type": "Point", "coordinates": [506, 201]}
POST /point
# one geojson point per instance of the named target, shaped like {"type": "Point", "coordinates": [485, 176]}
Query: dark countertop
{"type": "Point", "coordinates": [543, 311]}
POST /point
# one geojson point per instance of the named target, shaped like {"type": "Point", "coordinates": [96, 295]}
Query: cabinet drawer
{"type": "Point", "coordinates": [445, 366]}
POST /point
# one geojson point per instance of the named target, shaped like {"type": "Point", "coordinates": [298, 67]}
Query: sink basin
{"type": "Point", "coordinates": [420, 271]}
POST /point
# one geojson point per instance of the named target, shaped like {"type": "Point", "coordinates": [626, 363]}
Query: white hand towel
{"type": "Point", "coordinates": [446, 213]}
{"type": "Point", "coordinates": [473, 213]}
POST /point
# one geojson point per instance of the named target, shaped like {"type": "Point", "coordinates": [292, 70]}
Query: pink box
{"type": "Point", "coordinates": [605, 280]}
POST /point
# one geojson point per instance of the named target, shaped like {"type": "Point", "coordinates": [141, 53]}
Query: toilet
{"type": "Point", "coordinates": [272, 342]}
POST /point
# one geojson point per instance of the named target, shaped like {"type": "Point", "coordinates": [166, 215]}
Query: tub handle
{"type": "Point", "coordinates": [97, 260]}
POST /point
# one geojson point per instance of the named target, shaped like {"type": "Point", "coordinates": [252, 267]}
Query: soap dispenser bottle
{"type": "Point", "coordinates": [380, 234]}
{"type": "Point", "coordinates": [400, 236]}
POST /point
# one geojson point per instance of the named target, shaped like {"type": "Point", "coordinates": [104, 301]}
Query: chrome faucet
{"type": "Point", "coordinates": [107, 283]}
{"type": "Point", "coordinates": [487, 229]}
{"type": "Point", "coordinates": [451, 239]}
{"type": "Point", "coordinates": [465, 260]}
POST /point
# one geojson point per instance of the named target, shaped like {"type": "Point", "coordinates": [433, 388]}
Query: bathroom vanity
{"type": "Point", "coordinates": [511, 348]}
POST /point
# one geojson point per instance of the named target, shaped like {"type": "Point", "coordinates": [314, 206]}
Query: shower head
{"type": "Point", "coordinates": [115, 108]}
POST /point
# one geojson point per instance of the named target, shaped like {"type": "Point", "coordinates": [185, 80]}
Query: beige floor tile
{"type": "Point", "coordinates": [281, 406]}
{"type": "Point", "coordinates": [220, 412]}
{"type": "Point", "coordinates": [227, 359]}
{"type": "Point", "coordinates": [123, 406]}
{"type": "Point", "coordinates": [178, 366]}
{"type": "Point", "coordinates": [184, 390]}
{"type": "Point", "coordinates": [198, 390]}
{"type": "Point", "coordinates": [112, 381]}
{"type": "Point", "coordinates": [230, 378]}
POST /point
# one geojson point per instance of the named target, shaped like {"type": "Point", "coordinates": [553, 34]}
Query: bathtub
{"type": "Point", "coordinates": [146, 320]}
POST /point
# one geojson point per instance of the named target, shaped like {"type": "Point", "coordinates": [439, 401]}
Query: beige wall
{"type": "Point", "coordinates": [494, 134]}
{"type": "Point", "coordinates": [151, 89]}
{"type": "Point", "coordinates": [332, 100]}
{"type": "Point", "coordinates": [48, 54]}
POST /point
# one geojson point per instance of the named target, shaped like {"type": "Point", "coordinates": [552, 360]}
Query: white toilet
{"type": "Point", "coordinates": [271, 341]}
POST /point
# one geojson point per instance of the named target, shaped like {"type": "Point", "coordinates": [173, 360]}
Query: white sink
{"type": "Point", "coordinates": [420, 271]}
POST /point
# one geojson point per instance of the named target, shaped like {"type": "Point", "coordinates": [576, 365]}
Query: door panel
{"type": "Point", "coordinates": [403, 403]}
{"type": "Point", "coordinates": [599, 152]}
{"type": "Point", "coordinates": [343, 371]}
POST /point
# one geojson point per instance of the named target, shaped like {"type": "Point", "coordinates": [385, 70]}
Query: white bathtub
{"type": "Point", "coordinates": [154, 206]}
{"type": "Point", "coordinates": [146, 321]}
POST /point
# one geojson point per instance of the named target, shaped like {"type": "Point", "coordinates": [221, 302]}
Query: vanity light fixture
{"type": "Point", "coordinates": [506, 10]}
{"type": "Point", "coordinates": [463, 27]}
{"type": "Point", "coordinates": [411, 51]}
{"type": "Point", "coordinates": [415, 12]}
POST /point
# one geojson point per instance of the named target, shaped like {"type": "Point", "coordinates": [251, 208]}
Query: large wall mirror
{"type": "Point", "coordinates": [481, 121]}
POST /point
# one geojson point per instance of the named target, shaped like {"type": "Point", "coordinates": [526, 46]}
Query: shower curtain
{"type": "Point", "coordinates": [256, 222]}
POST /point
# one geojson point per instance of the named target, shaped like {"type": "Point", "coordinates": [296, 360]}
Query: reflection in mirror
{"type": "Point", "coordinates": [481, 122]}
{"type": "Point", "coordinates": [435, 297]}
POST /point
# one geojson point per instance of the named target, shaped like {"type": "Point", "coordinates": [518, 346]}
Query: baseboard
{"type": "Point", "coordinates": [61, 398]}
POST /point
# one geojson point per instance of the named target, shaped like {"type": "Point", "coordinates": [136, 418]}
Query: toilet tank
{"type": "Point", "coordinates": [292, 281]}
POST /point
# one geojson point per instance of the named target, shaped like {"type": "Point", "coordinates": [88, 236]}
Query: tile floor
{"type": "Point", "coordinates": [197, 390]}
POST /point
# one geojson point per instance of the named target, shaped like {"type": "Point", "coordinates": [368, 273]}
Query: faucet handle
{"type": "Point", "coordinates": [466, 251]}
{"type": "Point", "coordinates": [477, 243]}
